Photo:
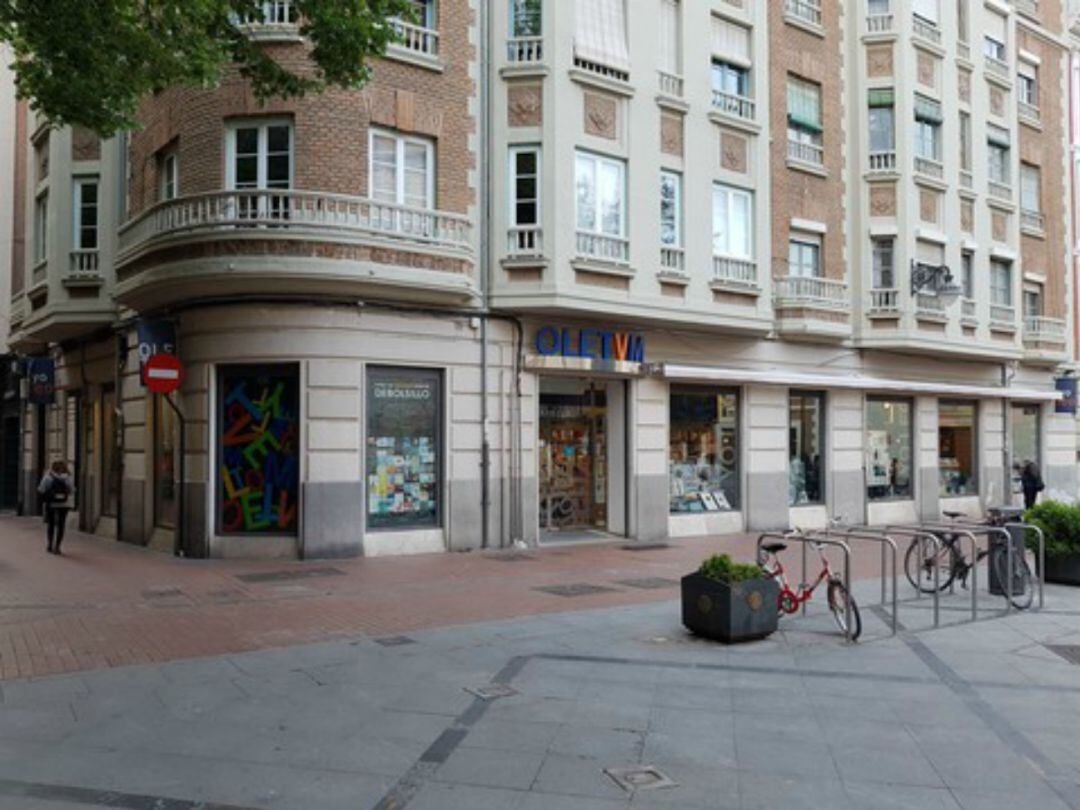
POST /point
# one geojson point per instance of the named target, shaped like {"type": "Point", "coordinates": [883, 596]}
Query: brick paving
{"type": "Point", "coordinates": [104, 604]}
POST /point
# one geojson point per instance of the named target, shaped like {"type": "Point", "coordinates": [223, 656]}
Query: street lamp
{"type": "Point", "coordinates": [934, 278]}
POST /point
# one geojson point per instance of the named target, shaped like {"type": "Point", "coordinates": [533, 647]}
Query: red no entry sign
{"type": "Point", "coordinates": [163, 373]}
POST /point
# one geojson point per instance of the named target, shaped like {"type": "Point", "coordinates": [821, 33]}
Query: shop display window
{"type": "Point", "coordinates": [1025, 439]}
{"type": "Point", "coordinates": [703, 455]}
{"type": "Point", "coordinates": [888, 449]}
{"type": "Point", "coordinates": [956, 449]}
{"type": "Point", "coordinates": [166, 432]}
{"type": "Point", "coordinates": [806, 446]}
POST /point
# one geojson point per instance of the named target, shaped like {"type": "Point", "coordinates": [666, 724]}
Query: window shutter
{"type": "Point", "coordinates": [600, 36]}
{"type": "Point", "coordinates": [998, 136]}
{"type": "Point", "coordinates": [881, 98]}
{"type": "Point", "coordinates": [804, 105]}
{"type": "Point", "coordinates": [927, 110]}
{"type": "Point", "coordinates": [731, 42]}
{"type": "Point", "coordinates": [669, 36]}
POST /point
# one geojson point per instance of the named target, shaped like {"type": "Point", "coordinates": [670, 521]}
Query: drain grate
{"type": "Point", "coordinates": [1070, 652]}
{"type": "Point", "coordinates": [640, 777]}
{"type": "Point", "coordinates": [575, 589]}
{"type": "Point", "coordinates": [644, 546]}
{"type": "Point", "coordinates": [648, 583]}
{"type": "Point", "coordinates": [394, 641]}
{"type": "Point", "coordinates": [491, 691]}
{"type": "Point", "coordinates": [289, 574]}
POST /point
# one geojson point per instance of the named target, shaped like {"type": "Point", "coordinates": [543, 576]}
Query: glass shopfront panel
{"type": "Point", "coordinates": [110, 454]}
{"type": "Point", "coordinates": [258, 449]}
{"type": "Point", "coordinates": [404, 448]}
{"type": "Point", "coordinates": [1025, 439]}
{"type": "Point", "coordinates": [957, 465]}
{"type": "Point", "coordinates": [166, 431]}
{"type": "Point", "coordinates": [888, 449]}
{"type": "Point", "coordinates": [806, 446]}
{"type": "Point", "coordinates": [703, 451]}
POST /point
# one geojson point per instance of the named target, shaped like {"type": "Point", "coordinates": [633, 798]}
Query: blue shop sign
{"type": "Point", "coordinates": [41, 375]}
{"type": "Point", "coordinates": [1067, 403]}
{"type": "Point", "coordinates": [155, 337]}
{"type": "Point", "coordinates": [595, 344]}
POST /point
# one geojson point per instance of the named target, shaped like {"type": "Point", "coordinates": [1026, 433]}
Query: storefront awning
{"type": "Point", "coordinates": [688, 373]}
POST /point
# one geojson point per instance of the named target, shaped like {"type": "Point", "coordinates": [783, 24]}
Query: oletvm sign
{"type": "Point", "coordinates": [156, 336]}
{"type": "Point", "coordinates": [594, 344]}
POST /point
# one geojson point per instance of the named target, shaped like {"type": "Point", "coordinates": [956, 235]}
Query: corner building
{"type": "Point", "coordinates": [564, 271]}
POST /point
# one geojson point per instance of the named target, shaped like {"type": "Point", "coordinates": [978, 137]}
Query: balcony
{"type": "Point", "coordinates": [928, 167]}
{"type": "Point", "coordinates": [930, 308]}
{"type": "Point", "coordinates": [525, 50]}
{"type": "Point", "coordinates": [1032, 222]}
{"type": "Point", "coordinates": [733, 105]}
{"type": "Point", "coordinates": [276, 18]}
{"type": "Point", "coordinates": [968, 312]}
{"type": "Point", "coordinates": [997, 69]}
{"type": "Point", "coordinates": [967, 180]}
{"type": "Point", "coordinates": [881, 23]}
{"type": "Point", "coordinates": [302, 240]}
{"type": "Point", "coordinates": [810, 293]}
{"type": "Point", "coordinates": [83, 270]}
{"type": "Point", "coordinates": [884, 303]}
{"type": "Point", "coordinates": [415, 40]}
{"type": "Point", "coordinates": [672, 260]}
{"type": "Point", "coordinates": [1045, 339]}
{"type": "Point", "coordinates": [999, 190]}
{"type": "Point", "coordinates": [804, 11]}
{"type": "Point", "coordinates": [1029, 112]}
{"type": "Point", "coordinates": [925, 29]}
{"type": "Point", "coordinates": [671, 84]}
{"type": "Point", "coordinates": [602, 248]}
{"type": "Point", "coordinates": [1002, 318]}
{"type": "Point", "coordinates": [882, 162]}
{"type": "Point", "coordinates": [807, 154]}
{"type": "Point", "coordinates": [1029, 8]}
{"type": "Point", "coordinates": [524, 242]}
{"type": "Point", "coordinates": [735, 275]}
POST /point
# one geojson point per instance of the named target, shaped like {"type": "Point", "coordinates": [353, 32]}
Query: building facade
{"type": "Point", "coordinates": [562, 271]}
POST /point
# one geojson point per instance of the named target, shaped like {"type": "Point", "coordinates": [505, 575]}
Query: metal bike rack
{"type": "Point", "coordinates": [921, 538]}
{"type": "Point", "coordinates": [971, 530]}
{"type": "Point", "coordinates": [804, 539]}
{"type": "Point", "coordinates": [1040, 574]}
{"type": "Point", "coordinates": [874, 536]}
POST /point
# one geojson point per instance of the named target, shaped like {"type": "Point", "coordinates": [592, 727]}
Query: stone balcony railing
{"type": "Point", "coordinates": [810, 292]}
{"type": "Point", "coordinates": [929, 167]}
{"type": "Point", "coordinates": [882, 162]}
{"type": "Point", "coordinates": [291, 215]}
{"type": "Point", "coordinates": [969, 311]}
{"type": "Point", "coordinates": [734, 273]}
{"type": "Point", "coordinates": [1032, 221]}
{"type": "Point", "coordinates": [807, 11]}
{"type": "Point", "coordinates": [999, 191]}
{"type": "Point", "coordinates": [671, 84]}
{"type": "Point", "coordinates": [525, 240]}
{"type": "Point", "coordinates": [997, 68]}
{"type": "Point", "coordinates": [1042, 330]}
{"type": "Point", "coordinates": [603, 248]}
{"type": "Point", "coordinates": [83, 264]}
{"type": "Point", "coordinates": [672, 259]}
{"type": "Point", "coordinates": [272, 13]}
{"type": "Point", "coordinates": [1002, 316]}
{"type": "Point", "coordinates": [415, 39]}
{"type": "Point", "coordinates": [926, 30]}
{"type": "Point", "coordinates": [525, 50]}
{"type": "Point", "coordinates": [733, 105]}
{"type": "Point", "coordinates": [963, 50]}
{"type": "Point", "coordinates": [810, 154]}
{"type": "Point", "coordinates": [1028, 111]}
{"type": "Point", "coordinates": [967, 179]}
{"type": "Point", "coordinates": [884, 301]}
{"type": "Point", "coordinates": [930, 308]}
{"type": "Point", "coordinates": [1028, 7]}
{"type": "Point", "coordinates": [879, 23]}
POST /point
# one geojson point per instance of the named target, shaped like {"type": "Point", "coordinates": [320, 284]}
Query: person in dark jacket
{"type": "Point", "coordinates": [1031, 483]}
{"type": "Point", "coordinates": [58, 493]}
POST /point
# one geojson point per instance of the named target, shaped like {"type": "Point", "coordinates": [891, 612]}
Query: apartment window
{"type": "Point", "coordinates": [670, 50]}
{"type": "Point", "coordinates": [1033, 301]}
{"type": "Point", "coordinates": [168, 177]}
{"type": "Point", "coordinates": [804, 256]}
{"type": "Point", "coordinates": [733, 80]}
{"type": "Point", "coordinates": [962, 18]}
{"type": "Point", "coordinates": [41, 158]}
{"type": "Point", "coordinates": [806, 448]}
{"type": "Point", "coordinates": [670, 209]}
{"type": "Point", "coordinates": [731, 61]}
{"type": "Point", "coordinates": [888, 449]}
{"type": "Point", "coordinates": [926, 10]}
{"type": "Point", "coordinates": [804, 119]}
{"type": "Point", "coordinates": [965, 142]}
{"type": "Point", "coordinates": [876, 8]}
{"type": "Point", "coordinates": [525, 186]}
{"type": "Point", "coordinates": [402, 169]}
{"type": "Point", "coordinates": [259, 155]}
{"type": "Point", "coordinates": [956, 448]}
{"type": "Point", "coordinates": [928, 122]}
{"type": "Point", "coordinates": [1030, 182]}
{"type": "Point", "coordinates": [525, 18]}
{"type": "Point", "coordinates": [998, 155]}
{"type": "Point", "coordinates": [1001, 292]}
{"type": "Point", "coordinates": [601, 195]}
{"type": "Point", "coordinates": [600, 42]}
{"type": "Point", "coordinates": [733, 214]}
{"type": "Point", "coordinates": [41, 227]}
{"type": "Point", "coordinates": [882, 121]}
{"type": "Point", "coordinates": [883, 257]}
{"type": "Point", "coordinates": [85, 212]}
{"type": "Point", "coordinates": [967, 273]}
{"type": "Point", "coordinates": [994, 48]}
{"type": "Point", "coordinates": [423, 12]}
{"type": "Point", "coordinates": [1027, 84]}
{"type": "Point", "coordinates": [703, 449]}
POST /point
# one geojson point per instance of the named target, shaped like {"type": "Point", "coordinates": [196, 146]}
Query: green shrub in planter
{"type": "Point", "coordinates": [1060, 523]}
{"type": "Point", "coordinates": [729, 601]}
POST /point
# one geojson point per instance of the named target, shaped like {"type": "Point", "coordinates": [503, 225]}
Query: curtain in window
{"type": "Point", "coordinates": [600, 36]}
{"type": "Point", "coordinates": [731, 41]}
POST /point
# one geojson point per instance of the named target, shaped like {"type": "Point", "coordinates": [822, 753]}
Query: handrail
{"type": "Point", "coordinates": [876, 536]}
{"type": "Point", "coordinates": [802, 538]}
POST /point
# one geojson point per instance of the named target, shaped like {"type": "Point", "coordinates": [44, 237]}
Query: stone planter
{"type": "Point", "coordinates": [729, 613]}
{"type": "Point", "coordinates": [1063, 569]}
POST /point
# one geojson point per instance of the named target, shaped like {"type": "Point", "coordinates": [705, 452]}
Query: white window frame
{"type": "Point", "coordinates": [967, 273]}
{"type": "Point", "coordinates": [733, 193]}
{"type": "Point", "coordinates": [998, 266]}
{"type": "Point", "coordinates": [77, 211]}
{"type": "Point", "coordinates": [41, 227]}
{"type": "Point", "coordinates": [1029, 172]}
{"type": "Point", "coordinates": [512, 195]}
{"type": "Point", "coordinates": [169, 177]}
{"type": "Point", "coordinates": [400, 140]}
{"type": "Point", "coordinates": [263, 126]}
{"type": "Point", "coordinates": [810, 241]}
{"type": "Point", "coordinates": [676, 177]}
{"type": "Point", "coordinates": [998, 171]}
{"type": "Point", "coordinates": [598, 162]}
{"type": "Point", "coordinates": [515, 19]}
{"type": "Point", "coordinates": [880, 246]}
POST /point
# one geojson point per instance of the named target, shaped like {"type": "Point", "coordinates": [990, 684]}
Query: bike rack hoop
{"type": "Point", "coordinates": [872, 535]}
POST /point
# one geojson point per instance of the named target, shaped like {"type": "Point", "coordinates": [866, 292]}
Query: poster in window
{"type": "Point", "coordinates": [403, 453]}
{"type": "Point", "coordinates": [258, 457]}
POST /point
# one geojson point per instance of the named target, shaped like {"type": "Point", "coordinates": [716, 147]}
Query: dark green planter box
{"type": "Point", "coordinates": [729, 613]}
{"type": "Point", "coordinates": [1063, 569]}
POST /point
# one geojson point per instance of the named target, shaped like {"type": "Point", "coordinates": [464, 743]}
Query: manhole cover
{"type": "Point", "coordinates": [640, 777]}
{"type": "Point", "coordinates": [491, 691]}
{"type": "Point", "coordinates": [648, 583]}
{"type": "Point", "coordinates": [574, 589]}
{"type": "Point", "coordinates": [290, 574]}
{"type": "Point", "coordinates": [394, 641]}
{"type": "Point", "coordinates": [644, 546]}
{"type": "Point", "coordinates": [1070, 652]}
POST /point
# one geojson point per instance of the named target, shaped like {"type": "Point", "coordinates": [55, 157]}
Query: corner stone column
{"type": "Point", "coordinates": [648, 457]}
{"type": "Point", "coordinates": [765, 500]}
{"type": "Point", "coordinates": [1059, 451]}
{"type": "Point", "coordinates": [926, 460]}
{"type": "Point", "coordinates": [845, 484]}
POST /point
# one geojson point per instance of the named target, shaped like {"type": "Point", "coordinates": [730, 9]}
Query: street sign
{"type": "Point", "coordinates": [163, 373]}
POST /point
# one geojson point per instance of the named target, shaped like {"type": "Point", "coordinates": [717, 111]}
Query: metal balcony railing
{"type": "Point", "coordinates": [882, 162]}
{"type": "Point", "coordinates": [802, 152]}
{"type": "Point", "coordinates": [671, 84]}
{"type": "Point", "coordinates": [83, 263]}
{"type": "Point", "coordinates": [292, 214]}
{"type": "Point", "coordinates": [415, 38]}
{"type": "Point", "coordinates": [884, 301]}
{"type": "Point", "coordinates": [929, 167]}
{"type": "Point", "coordinates": [1003, 315]}
{"type": "Point", "coordinates": [525, 240]}
{"type": "Point", "coordinates": [1032, 220]}
{"type": "Point", "coordinates": [729, 271]}
{"type": "Point", "coordinates": [997, 67]}
{"type": "Point", "coordinates": [809, 291]}
{"type": "Point", "coordinates": [672, 259]}
{"type": "Point", "coordinates": [613, 249]}
{"type": "Point", "coordinates": [926, 29]}
{"type": "Point", "coordinates": [525, 50]}
{"type": "Point", "coordinates": [998, 190]}
{"type": "Point", "coordinates": [733, 105]}
{"type": "Point", "coordinates": [1038, 329]}
{"type": "Point", "coordinates": [808, 11]}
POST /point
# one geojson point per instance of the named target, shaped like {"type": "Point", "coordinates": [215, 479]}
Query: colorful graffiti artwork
{"type": "Point", "coordinates": [258, 459]}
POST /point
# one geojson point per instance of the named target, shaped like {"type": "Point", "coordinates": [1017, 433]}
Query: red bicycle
{"type": "Point", "coordinates": [791, 600]}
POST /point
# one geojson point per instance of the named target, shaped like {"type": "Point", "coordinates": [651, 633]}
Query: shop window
{"type": "Point", "coordinates": [957, 470]}
{"type": "Point", "coordinates": [703, 454]}
{"type": "Point", "coordinates": [888, 449]}
{"type": "Point", "coordinates": [806, 445]}
{"type": "Point", "coordinates": [1024, 428]}
{"type": "Point", "coordinates": [165, 463]}
{"type": "Point", "coordinates": [404, 453]}
{"type": "Point", "coordinates": [258, 449]}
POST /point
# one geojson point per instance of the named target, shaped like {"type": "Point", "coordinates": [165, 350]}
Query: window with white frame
{"type": "Point", "coordinates": [525, 186]}
{"type": "Point", "coordinates": [927, 128]}
{"type": "Point", "coordinates": [804, 255]}
{"type": "Point", "coordinates": [998, 147]}
{"type": "Point", "coordinates": [882, 121]}
{"type": "Point", "coordinates": [423, 13]}
{"type": "Point", "coordinates": [41, 227]}
{"type": "Point", "coordinates": [804, 120]}
{"type": "Point", "coordinates": [926, 10]}
{"type": "Point", "coordinates": [733, 215]}
{"type": "Point", "coordinates": [670, 209]}
{"type": "Point", "coordinates": [967, 273]}
{"type": "Point", "coordinates": [995, 48]}
{"type": "Point", "coordinates": [1033, 300]}
{"type": "Point", "coordinates": [883, 248]}
{"type": "Point", "coordinates": [1030, 182]}
{"type": "Point", "coordinates": [168, 175]}
{"type": "Point", "coordinates": [85, 213]}
{"type": "Point", "coordinates": [731, 65]}
{"type": "Point", "coordinates": [1027, 84]}
{"type": "Point", "coordinates": [259, 157]}
{"type": "Point", "coordinates": [601, 194]}
{"type": "Point", "coordinates": [1001, 292]}
{"type": "Point", "coordinates": [402, 169]}
{"type": "Point", "coordinates": [525, 18]}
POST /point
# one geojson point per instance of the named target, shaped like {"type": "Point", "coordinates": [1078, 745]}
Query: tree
{"type": "Point", "coordinates": [89, 62]}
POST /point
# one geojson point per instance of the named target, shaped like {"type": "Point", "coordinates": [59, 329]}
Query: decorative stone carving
{"type": "Point", "coordinates": [963, 85]}
{"type": "Point", "coordinates": [733, 152]}
{"type": "Point", "coordinates": [928, 206]}
{"type": "Point", "coordinates": [967, 216]}
{"type": "Point", "coordinates": [883, 200]}
{"type": "Point", "coordinates": [524, 105]}
{"type": "Point", "coordinates": [879, 61]}
{"type": "Point", "coordinates": [671, 134]}
{"type": "Point", "coordinates": [999, 226]}
{"type": "Point", "coordinates": [601, 114]}
{"type": "Point", "coordinates": [926, 69]}
{"type": "Point", "coordinates": [997, 101]}
{"type": "Point", "coordinates": [85, 145]}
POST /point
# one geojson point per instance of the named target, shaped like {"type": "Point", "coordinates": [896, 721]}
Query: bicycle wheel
{"type": "Point", "coordinates": [920, 573]}
{"type": "Point", "coordinates": [839, 599]}
{"type": "Point", "coordinates": [1023, 581]}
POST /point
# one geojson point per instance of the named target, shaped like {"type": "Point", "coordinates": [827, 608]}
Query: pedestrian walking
{"type": "Point", "coordinates": [1031, 483]}
{"type": "Point", "coordinates": [58, 493]}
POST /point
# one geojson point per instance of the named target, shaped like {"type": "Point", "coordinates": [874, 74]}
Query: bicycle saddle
{"type": "Point", "coordinates": [773, 548]}
{"type": "Point", "coordinates": [950, 514]}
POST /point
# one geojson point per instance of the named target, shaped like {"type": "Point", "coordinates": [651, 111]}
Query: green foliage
{"type": "Point", "coordinates": [89, 62]}
{"type": "Point", "coordinates": [722, 569]}
{"type": "Point", "coordinates": [1061, 524]}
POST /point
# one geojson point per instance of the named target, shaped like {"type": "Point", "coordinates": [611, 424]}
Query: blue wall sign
{"type": "Point", "coordinates": [41, 376]}
{"type": "Point", "coordinates": [155, 337]}
{"type": "Point", "coordinates": [1067, 387]}
{"type": "Point", "coordinates": [596, 344]}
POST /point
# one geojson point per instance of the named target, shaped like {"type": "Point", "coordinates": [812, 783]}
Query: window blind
{"type": "Point", "coordinates": [881, 98]}
{"type": "Point", "coordinates": [731, 41]}
{"type": "Point", "coordinates": [927, 9]}
{"type": "Point", "coordinates": [927, 109]}
{"type": "Point", "coordinates": [804, 104]}
{"type": "Point", "coordinates": [600, 34]}
{"type": "Point", "coordinates": [669, 36]}
{"type": "Point", "coordinates": [998, 136]}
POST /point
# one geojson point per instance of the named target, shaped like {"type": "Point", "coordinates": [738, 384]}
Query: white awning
{"type": "Point", "coordinates": [796, 379]}
{"type": "Point", "coordinates": [600, 33]}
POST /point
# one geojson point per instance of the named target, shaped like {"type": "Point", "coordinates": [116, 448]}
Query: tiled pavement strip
{"type": "Point", "coordinates": [971, 716]}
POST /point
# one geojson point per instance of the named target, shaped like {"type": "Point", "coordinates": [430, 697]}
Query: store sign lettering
{"type": "Point", "coordinates": [596, 344]}
{"type": "Point", "coordinates": [420, 391]}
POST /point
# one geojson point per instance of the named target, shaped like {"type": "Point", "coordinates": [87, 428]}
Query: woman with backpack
{"type": "Point", "coordinates": [1031, 483]}
{"type": "Point", "coordinates": [58, 491]}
